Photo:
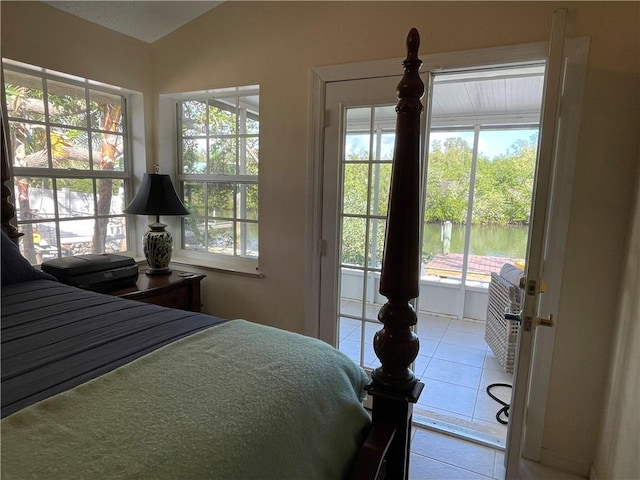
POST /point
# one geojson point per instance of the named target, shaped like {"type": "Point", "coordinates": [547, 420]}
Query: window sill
{"type": "Point", "coordinates": [234, 265]}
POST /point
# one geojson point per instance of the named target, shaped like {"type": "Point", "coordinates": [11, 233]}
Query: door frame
{"type": "Point", "coordinates": [540, 367]}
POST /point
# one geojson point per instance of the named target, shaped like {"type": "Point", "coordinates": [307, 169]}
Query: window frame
{"type": "Point", "coordinates": [91, 174]}
{"type": "Point", "coordinates": [238, 261]}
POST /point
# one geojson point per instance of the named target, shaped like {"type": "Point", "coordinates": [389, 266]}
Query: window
{"type": "Point", "coordinates": [71, 168]}
{"type": "Point", "coordinates": [218, 171]}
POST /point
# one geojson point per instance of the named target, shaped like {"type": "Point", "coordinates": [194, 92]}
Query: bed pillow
{"type": "Point", "coordinates": [16, 268]}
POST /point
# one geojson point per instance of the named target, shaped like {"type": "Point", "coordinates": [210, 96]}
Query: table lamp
{"type": "Point", "coordinates": [157, 197]}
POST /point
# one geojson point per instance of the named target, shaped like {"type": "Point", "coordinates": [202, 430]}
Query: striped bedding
{"type": "Point", "coordinates": [55, 337]}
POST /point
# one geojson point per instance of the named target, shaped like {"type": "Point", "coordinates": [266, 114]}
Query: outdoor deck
{"type": "Point", "coordinates": [479, 267]}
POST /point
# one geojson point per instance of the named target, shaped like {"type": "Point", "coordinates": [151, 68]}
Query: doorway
{"type": "Point", "coordinates": [480, 137]}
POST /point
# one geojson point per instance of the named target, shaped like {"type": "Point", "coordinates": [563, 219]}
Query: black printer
{"type": "Point", "coordinates": [100, 273]}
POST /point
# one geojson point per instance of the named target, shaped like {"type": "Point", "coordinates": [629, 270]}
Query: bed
{"type": "Point", "coordinates": [95, 386]}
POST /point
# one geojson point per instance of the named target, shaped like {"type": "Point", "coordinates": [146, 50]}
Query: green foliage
{"type": "Point", "coordinates": [502, 193]}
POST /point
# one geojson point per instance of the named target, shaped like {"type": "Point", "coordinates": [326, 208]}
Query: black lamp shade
{"type": "Point", "coordinates": [156, 197]}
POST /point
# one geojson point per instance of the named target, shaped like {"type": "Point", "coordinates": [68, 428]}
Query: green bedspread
{"type": "Point", "coordinates": [236, 401]}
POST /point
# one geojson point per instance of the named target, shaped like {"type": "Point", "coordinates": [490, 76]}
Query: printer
{"type": "Point", "coordinates": [100, 273]}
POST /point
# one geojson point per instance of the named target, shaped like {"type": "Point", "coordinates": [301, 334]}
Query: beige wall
{"type": "Point", "coordinates": [275, 44]}
{"type": "Point", "coordinates": [620, 437]}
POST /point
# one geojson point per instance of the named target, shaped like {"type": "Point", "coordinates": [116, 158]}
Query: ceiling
{"type": "Point", "coordinates": [146, 21]}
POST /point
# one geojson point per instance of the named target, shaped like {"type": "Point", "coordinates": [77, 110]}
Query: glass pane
{"type": "Point", "coordinates": [384, 138]}
{"type": "Point", "coordinates": [110, 196]}
{"type": "Point", "coordinates": [349, 335]}
{"type": "Point", "coordinates": [194, 118]}
{"type": "Point", "coordinates": [376, 242]}
{"type": "Point", "coordinates": [194, 155]}
{"type": "Point", "coordinates": [353, 241]}
{"type": "Point", "coordinates": [220, 198]}
{"type": "Point", "coordinates": [39, 242]}
{"type": "Point", "coordinates": [387, 145]}
{"type": "Point", "coordinates": [370, 358]}
{"type": "Point", "coordinates": [222, 118]}
{"type": "Point", "coordinates": [253, 125]}
{"type": "Point", "coordinates": [252, 149]}
{"type": "Point", "coordinates": [351, 291]}
{"type": "Point", "coordinates": [25, 98]}
{"type": "Point", "coordinates": [70, 148]}
{"type": "Point", "coordinates": [34, 198]}
{"type": "Point", "coordinates": [220, 238]}
{"type": "Point", "coordinates": [76, 237]}
{"type": "Point", "coordinates": [105, 111]}
{"type": "Point", "coordinates": [248, 202]}
{"type": "Point", "coordinates": [194, 233]}
{"type": "Point", "coordinates": [67, 104]}
{"type": "Point", "coordinates": [29, 145]}
{"type": "Point", "coordinates": [116, 235]}
{"type": "Point", "coordinates": [107, 151]}
{"type": "Point", "coordinates": [447, 198]}
{"type": "Point", "coordinates": [75, 197]}
{"type": "Point", "coordinates": [380, 188]}
{"type": "Point", "coordinates": [193, 198]}
{"type": "Point", "coordinates": [222, 156]}
{"type": "Point", "coordinates": [356, 179]}
{"type": "Point", "coordinates": [502, 201]}
{"type": "Point", "coordinates": [251, 106]}
{"type": "Point", "coordinates": [247, 239]}
{"type": "Point", "coordinates": [357, 138]}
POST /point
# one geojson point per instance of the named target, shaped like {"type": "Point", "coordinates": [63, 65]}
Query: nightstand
{"type": "Point", "coordinates": [178, 290]}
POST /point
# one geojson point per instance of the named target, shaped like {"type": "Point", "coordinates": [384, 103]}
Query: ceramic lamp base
{"type": "Point", "coordinates": [157, 244]}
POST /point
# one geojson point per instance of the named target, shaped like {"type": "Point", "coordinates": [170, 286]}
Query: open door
{"type": "Point", "coordinates": [564, 82]}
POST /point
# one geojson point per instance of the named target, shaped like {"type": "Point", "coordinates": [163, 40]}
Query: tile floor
{"type": "Point", "coordinates": [454, 363]}
{"type": "Point", "coordinates": [462, 438]}
{"type": "Point", "coordinates": [436, 456]}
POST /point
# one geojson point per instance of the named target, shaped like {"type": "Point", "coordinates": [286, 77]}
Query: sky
{"type": "Point", "coordinates": [490, 143]}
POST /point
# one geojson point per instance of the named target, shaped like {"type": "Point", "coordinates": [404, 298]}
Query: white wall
{"type": "Point", "coordinates": [274, 45]}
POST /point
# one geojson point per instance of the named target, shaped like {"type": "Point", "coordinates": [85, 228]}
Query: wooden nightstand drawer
{"type": "Point", "coordinates": [179, 290]}
{"type": "Point", "coordinates": [175, 298]}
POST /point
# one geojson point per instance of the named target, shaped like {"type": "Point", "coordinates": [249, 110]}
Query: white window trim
{"type": "Point", "coordinates": [168, 162]}
{"type": "Point", "coordinates": [133, 137]}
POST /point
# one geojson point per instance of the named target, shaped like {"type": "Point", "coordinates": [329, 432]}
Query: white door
{"type": "Point", "coordinates": [564, 83]}
{"type": "Point", "coordinates": [359, 138]}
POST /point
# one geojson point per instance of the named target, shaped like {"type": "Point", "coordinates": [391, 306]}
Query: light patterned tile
{"type": "Point", "coordinates": [461, 354]}
{"type": "Point", "coordinates": [473, 327]}
{"type": "Point", "coordinates": [452, 372]}
{"type": "Point", "coordinates": [470, 340]}
{"type": "Point", "coordinates": [422, 362]}
{"type": "Point", "coordinates": [424, 468]}
{"type": "Point", "coordinates": [495, 376]}
{"type": "Point", "coordinates": [486, 409]}
{"type": "Point", "coordinates": [452, 451]}
{"type": "Point", "coordinates": [491, 362]}
{"type": "Point", "coordinates": [448, 397]}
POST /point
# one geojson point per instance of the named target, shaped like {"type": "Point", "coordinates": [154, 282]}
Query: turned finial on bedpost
{"type": "Point", "coordinates": [395, 344]}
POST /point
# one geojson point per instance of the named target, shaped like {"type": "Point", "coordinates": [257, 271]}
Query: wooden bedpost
{"type": "Point", "coordinates": [8, 210]}
{"type": "Point", "coordinates": [394, 387]}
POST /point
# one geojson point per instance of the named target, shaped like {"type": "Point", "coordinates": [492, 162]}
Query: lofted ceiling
{"type": "Point", "coordinates": [510, 95]}
{"type": "Point", "coordinates": [146, 21]}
